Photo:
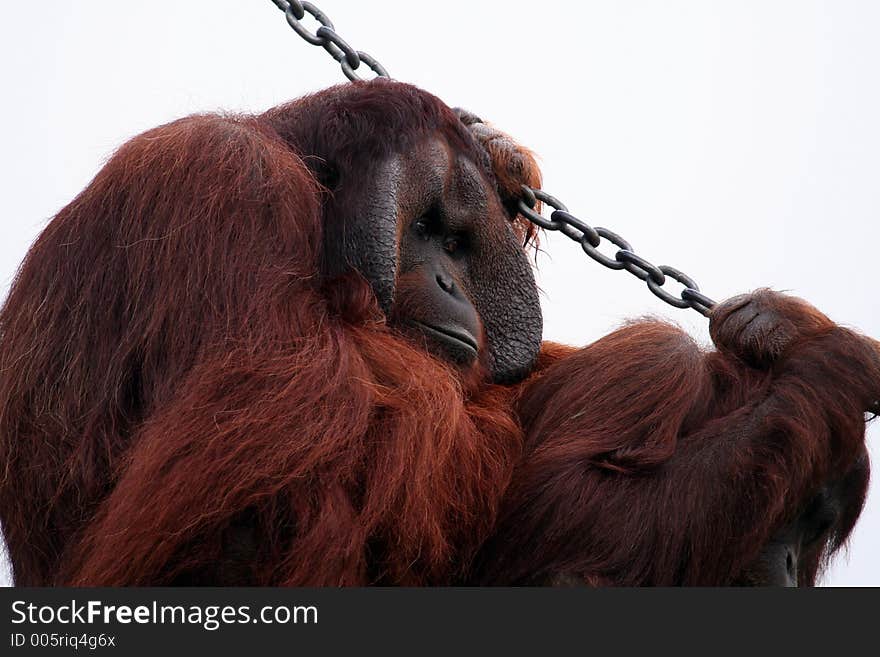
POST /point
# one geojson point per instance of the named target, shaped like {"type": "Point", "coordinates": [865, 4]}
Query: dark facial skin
{"type": "Point", "coordinates": [433, 273]}
{"type": "Point", "coordinates": [802, 540]}
{"type": "Point", "coordinates": [795, 553]}
{"type": "Point", "coordinates": [428, 230]}
{"type": "Point", "coordinates": [447, 213]}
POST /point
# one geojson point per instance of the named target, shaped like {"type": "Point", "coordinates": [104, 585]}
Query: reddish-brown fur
{"type": "Point", "coordinates": [680, 463]}
{"type": "Point", "coordinates": [183, 399]}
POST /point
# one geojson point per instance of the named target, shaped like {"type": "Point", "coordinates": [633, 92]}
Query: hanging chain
{"type": "Point", "coordinates": [326, 37]}
{"type": "Point", "coordinates": [590, 238]}
{"type": "Point", "coordinates": [560, 219]}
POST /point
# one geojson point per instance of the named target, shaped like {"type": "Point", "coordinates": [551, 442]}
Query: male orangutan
{"type": "Point", "coordinates": [304, 348]}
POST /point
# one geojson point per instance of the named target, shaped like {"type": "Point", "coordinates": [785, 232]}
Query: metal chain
{"type": "Point", "coordinates": [560, 219]}
{"type": "Point", "coordinates": [590, 238]}
{"type": "Point", "coordinates": [326, 37]}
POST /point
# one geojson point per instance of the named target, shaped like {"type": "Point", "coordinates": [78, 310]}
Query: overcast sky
{"type": "Point", "coordinates": [738, 142]}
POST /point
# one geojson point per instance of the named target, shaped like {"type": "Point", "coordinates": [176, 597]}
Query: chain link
{"type": "Point", "coordinates": [560, 219]}
{"type": "Point", "coordinates": [326, 37]}
{"type": "Point", "coordinates": [590, 238]}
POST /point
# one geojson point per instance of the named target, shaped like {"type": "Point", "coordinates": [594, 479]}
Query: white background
{"type": "Point", "coordinates": [738, 141]}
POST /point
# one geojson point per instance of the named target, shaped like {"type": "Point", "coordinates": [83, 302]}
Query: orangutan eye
{"type": "Point", "coordinates": [457, 245]}
{"type": "Point", "coordinates": [422, 227]}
